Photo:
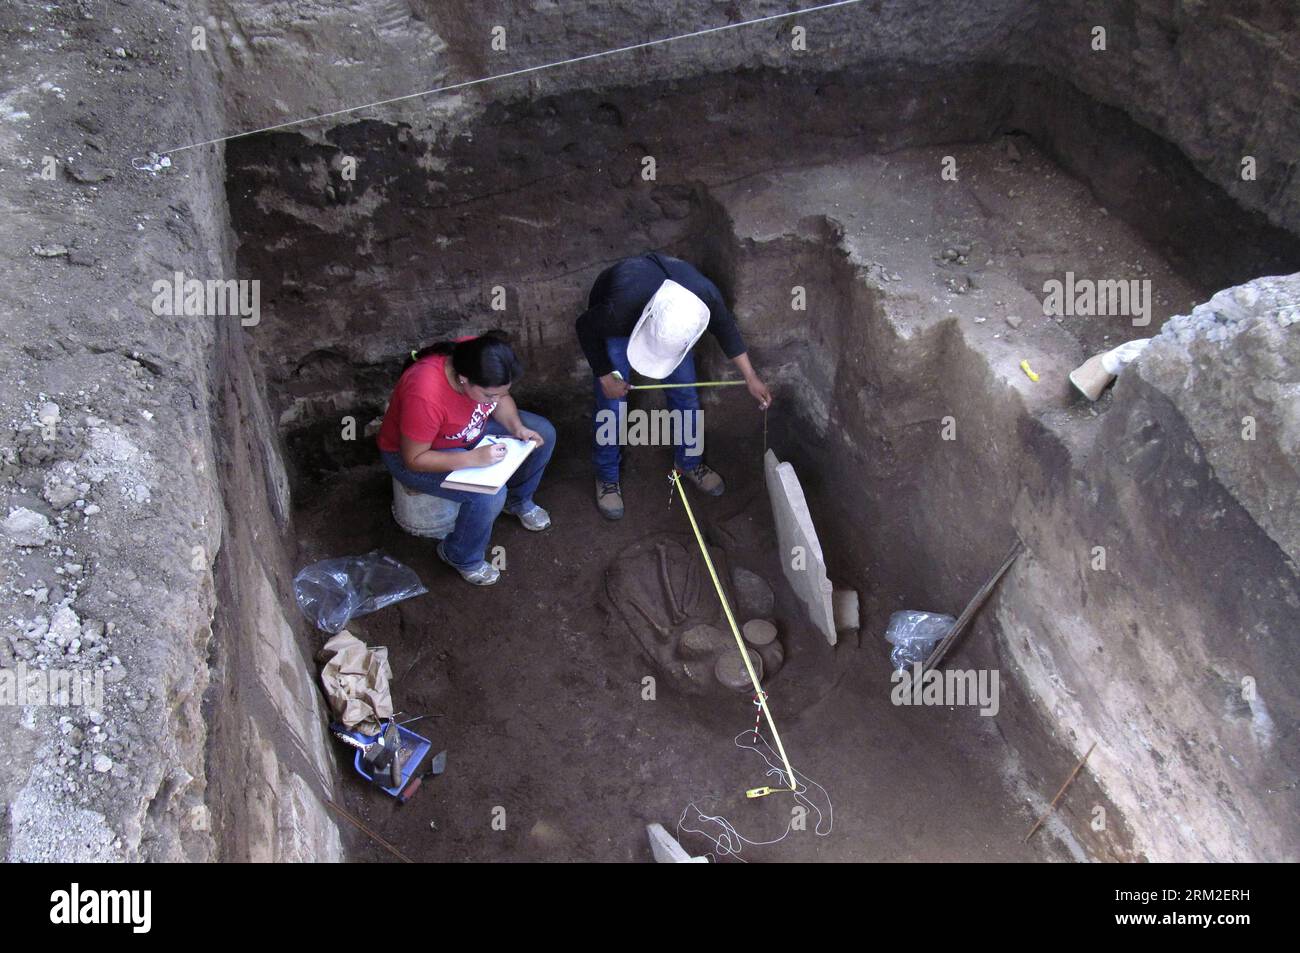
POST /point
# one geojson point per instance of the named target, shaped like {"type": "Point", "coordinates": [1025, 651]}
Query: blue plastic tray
{"type": "Point", "coordinates": [417, 744]}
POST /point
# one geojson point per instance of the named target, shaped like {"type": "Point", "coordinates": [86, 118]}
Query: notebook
{"type": "Point", "coordinates": [490, 479]}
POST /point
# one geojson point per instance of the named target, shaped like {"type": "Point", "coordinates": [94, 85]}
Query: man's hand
{"type": "Point", "coordinates": [613, 387]}
{"type": "Point", "coordinates": [485, 455]}
{"type": "Point", "coordinates": [758, 390]}
{"type": "Point", "coordinates": [523, 433]}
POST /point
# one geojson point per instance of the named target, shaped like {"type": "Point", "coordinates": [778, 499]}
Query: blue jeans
{"type": "Point", "coordinates": [466, 544]}
{"type": "Point", "coordinates": [606, 457]}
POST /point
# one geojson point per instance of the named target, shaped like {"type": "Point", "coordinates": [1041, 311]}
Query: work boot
{"type": "Point", "coordinates": [484, 574]}
{"type": "Point", "coordinates": [609, 499]}
{"type": "Point", "coordinates": [705, 480]}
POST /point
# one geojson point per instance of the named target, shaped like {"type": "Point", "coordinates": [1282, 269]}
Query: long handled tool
{"type": "Point", "coordinates": [437, 765]}
{"type": "Point", "coordinates": [740, 642]}
{"type": "Point", "coordinates": [968, 613]}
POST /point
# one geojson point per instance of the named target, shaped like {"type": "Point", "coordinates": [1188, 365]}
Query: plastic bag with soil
{"type": "Point", "coordinates": [914, 635]}
{"type": "Point", "coordinates": [333, 591]}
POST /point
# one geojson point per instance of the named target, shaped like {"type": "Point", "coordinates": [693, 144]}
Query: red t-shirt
{"type": "Point", "coordinates": [426, 408]}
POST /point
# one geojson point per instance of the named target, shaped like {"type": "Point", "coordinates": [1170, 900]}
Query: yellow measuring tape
{"type": "Point", "coordinates": [740, 644]}
{"type": "Point", "coordinates": [692, 384]}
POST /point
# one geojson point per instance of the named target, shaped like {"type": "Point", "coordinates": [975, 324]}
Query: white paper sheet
{"type": "Point", "coordinates": [495, 476]}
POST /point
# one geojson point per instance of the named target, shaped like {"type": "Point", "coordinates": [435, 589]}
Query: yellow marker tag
{"type": "Point", "coordinates": [759, 792]}
{"type": "Point", "coordinates": [1024, 366]}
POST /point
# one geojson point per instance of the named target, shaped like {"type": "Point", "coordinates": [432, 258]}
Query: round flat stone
{"type": "Point", "coordinates": [759, 632]}
{"type": "Point", "coordinates": [730, 670]}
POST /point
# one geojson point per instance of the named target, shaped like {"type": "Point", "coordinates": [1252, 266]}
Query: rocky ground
{"type": "Point", "coordinates": [54, 530]}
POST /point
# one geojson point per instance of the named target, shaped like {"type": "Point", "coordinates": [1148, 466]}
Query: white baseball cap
{"type": "Point", "coordinates": [672, 321]}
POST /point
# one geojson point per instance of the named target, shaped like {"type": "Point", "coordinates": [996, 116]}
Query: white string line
{"type": "Point", "coordinates": [517, 72]}
{"type": "Point", "coordinates": [729, 842]}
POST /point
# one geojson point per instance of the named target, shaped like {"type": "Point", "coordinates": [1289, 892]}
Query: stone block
{"type": "Point", "coordinates": [845, 603]}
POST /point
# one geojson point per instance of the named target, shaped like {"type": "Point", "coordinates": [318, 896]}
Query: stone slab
{"type": "Point", "coordinates": [800, 550]}
{"type": "Point", "coordinates": [667, 850]}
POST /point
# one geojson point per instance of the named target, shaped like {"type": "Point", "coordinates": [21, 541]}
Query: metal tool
{"type": "Point", "coordinates": [437, 765]}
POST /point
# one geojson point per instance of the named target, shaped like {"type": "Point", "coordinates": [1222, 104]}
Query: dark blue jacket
{"type": "Point", "coordinates": [621, 293]}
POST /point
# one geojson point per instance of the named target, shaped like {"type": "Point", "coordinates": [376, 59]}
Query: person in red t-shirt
{"type": "Point", "coordinates": [449, 395]}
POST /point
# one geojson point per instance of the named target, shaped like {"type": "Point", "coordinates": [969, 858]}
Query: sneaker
{"type": "Point", "coordinates": [609, 499]}
{"type": "Point", "coordinates": [534, 518]}
{"type": "Point", "coordinates": [705, 480]}
{"type": "Point", "coordinates": [484, 574]}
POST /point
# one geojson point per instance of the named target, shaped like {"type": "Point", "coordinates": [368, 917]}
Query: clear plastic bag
{"type": "Point", "coordinates": [333, 591]}
{"type": "Point", "coordinates": [914, 635]}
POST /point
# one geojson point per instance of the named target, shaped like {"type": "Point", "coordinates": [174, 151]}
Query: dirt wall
{"type": "Point", "coordinates": [1216, 80]}
{"type": "Point", "coordinates": [135, 475]}
{"type": "Point", "coordinates": [1168, 648]}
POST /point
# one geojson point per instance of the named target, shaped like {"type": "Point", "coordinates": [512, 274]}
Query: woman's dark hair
{"type": "Point", "coordinates": [485, 361]}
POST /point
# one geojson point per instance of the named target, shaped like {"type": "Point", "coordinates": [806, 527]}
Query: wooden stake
{"type": "Point", "coordinates": [1051, 807]}
{"type": "Point", "coordinates": [371, 834]}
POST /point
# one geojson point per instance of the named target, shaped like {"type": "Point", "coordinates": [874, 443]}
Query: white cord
{"type": "Point", "coordinates": [520, 72]}
{"type": "Point", "coordinates": [729, 842]}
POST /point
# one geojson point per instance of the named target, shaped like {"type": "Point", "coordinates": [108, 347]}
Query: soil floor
{"type": "Point", "coordinates": [536, 694]}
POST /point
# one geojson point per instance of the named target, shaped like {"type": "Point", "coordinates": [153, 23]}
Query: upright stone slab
{"type": "Point", "coordinates": [797, 538]}
{"type": "Point", "coordinates": [667, 850]}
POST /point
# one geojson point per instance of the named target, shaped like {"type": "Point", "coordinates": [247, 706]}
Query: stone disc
{"type": "Point", "coordinates": [759, 632]}
{"type": "Point", "coordinates": [730, 670]}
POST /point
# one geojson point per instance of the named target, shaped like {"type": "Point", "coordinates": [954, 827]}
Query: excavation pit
{"type": "Point", "coordinates": [885, 210]}
{"type": "Point", "coordinates": [884, 302]}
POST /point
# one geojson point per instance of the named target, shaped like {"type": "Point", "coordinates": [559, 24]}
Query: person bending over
{"type": "Point", "coordinates": [449, 395]}
{"type": "Point", "coordinates": [645, 314]}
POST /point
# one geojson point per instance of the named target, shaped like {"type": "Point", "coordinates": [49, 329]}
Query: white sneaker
{"type": "Point", "coordinates": [484, 574]}
{"type": "Point", "coordinates": [535, 519]}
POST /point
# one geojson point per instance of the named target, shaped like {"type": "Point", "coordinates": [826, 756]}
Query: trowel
{"type": "Point", "coordinates": [437, 765]}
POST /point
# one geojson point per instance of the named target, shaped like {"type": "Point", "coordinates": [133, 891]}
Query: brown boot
{"type": "Point", "coordinates": [609, 499]}
{"type": "Point", "coordinates": [706, 480]}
